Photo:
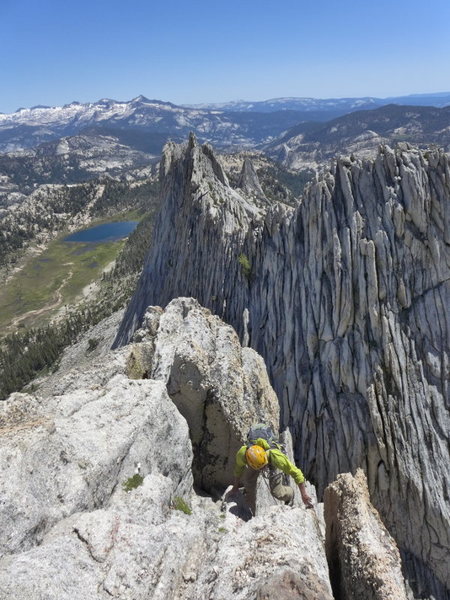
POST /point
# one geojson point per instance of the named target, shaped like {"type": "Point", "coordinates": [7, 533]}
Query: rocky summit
{"type": "Point", "coordinates": [346, 298]}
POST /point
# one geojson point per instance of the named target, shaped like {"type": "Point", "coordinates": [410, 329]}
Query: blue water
{"type": "Point", "coordinates": [109, 232]}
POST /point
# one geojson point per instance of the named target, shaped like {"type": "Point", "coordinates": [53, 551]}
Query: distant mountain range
{"type": "Point", "coordinates": [145, 125]}
{"type": "Point", "coordinates": [361, 132]}
{"type": "Point", "coordinates": [328, 105]}
{"type": "Point", "coordinates": [78, 142]}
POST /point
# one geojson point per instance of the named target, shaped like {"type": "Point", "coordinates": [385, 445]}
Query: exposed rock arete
{"type": "Point", "coordinates": [70, 530]}
{"type": "Point", "coordinates": [346, 299]}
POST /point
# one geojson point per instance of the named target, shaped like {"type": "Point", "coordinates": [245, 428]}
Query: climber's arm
{"type": "Point", "coordinates": [281, 461]}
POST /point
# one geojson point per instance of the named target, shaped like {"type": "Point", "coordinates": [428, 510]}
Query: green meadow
{"type": "Point", "coordinates": [52, 279]}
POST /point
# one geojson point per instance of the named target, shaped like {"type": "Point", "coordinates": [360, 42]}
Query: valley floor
{"type": "Point", "coordinates": [52, 277]}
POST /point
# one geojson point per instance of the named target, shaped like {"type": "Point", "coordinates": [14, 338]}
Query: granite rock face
{"type": "Point", "coordinates": [346, 298]}
{"type": "Point", "coordinates": [249, 181]}
{"type": "Point", "coordinates": [71, 454]}
{"type": "Point", "coordinates": [363, 558]}
{"type": "Point", "coordinates": [75, 520]}
{"type": "Point", "coordinates": [219, 387]}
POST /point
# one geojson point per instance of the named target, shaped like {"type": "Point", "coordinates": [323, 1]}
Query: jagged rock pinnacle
{"type": "Point", "coordinates": [249, 181]}
{"type": "Point", "coordinates": [192, 142]}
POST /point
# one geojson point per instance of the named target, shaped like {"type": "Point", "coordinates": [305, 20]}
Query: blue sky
{"type": "Point", "coordinates": [197, 51]}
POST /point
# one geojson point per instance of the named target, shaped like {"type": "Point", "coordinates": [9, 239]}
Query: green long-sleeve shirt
{"type": "Point", "coordinates": [276, 458]}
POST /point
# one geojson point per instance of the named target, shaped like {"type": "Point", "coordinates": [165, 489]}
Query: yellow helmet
{"type": "Point", "coordinates": [256, 457]}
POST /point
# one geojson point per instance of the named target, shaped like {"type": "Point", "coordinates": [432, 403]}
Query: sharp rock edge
{"type": "Point", "coordinates": [346, 298]}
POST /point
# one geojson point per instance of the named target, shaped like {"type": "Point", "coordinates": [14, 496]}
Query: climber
{"type": "Point", "coordinates": [272, 463]}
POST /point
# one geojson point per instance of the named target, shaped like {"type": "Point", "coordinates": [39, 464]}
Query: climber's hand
{"type": "Point", "coordinates": [305, 497]}
{"type": "Point", "coordinates": [307, 501]}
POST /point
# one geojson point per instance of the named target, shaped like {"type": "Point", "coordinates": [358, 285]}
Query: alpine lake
{"type": "Point", "coordinates": [107, 232]}
{"type": "Point", "coordinates": [61, 273]}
